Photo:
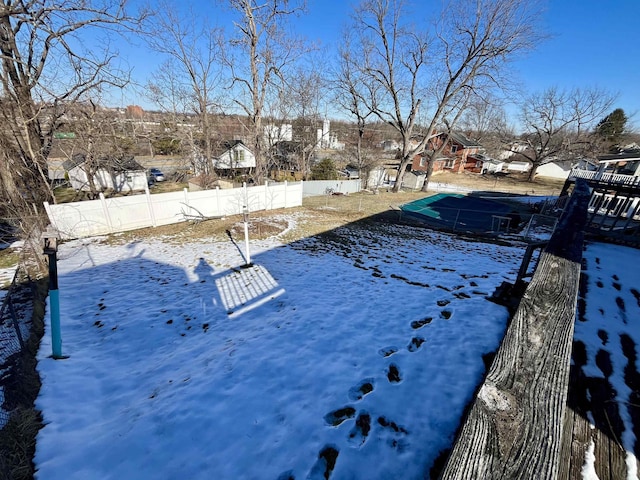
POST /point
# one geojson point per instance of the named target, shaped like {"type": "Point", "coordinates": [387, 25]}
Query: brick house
{"type": "Point", "coordinates": [457, 155]}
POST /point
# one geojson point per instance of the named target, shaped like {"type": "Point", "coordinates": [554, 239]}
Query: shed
{"type": "Point", "coordinates": [121, 174]}
{"type": "Point", "coordinates": [413, 180]}
{"type": "Point", "coordinates": [556, 169]}
{"type": "Point", "coordinates": [518, 166]}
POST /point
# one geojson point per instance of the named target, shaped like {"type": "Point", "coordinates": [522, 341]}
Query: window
{"type": "Point", "coordinates": [449, 163]}
{"type": "Point", "coordinates": [238, 156]}
{"type": "Point", "coordinates": [423, 162]}
{"type": "Point", "coordinates": [454, 148]}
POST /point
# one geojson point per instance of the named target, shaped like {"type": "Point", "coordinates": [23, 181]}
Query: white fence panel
{"type": "Point", "coordinates": [127, 213]}
{"type": "Point", "coordinates": [324, 187]}
{"type": "Point", "coordinates": [118, 214]}
{"type": "Point", "coordinates": [166, 208]}
{"type": "Point", "coordinates": [79, 219]}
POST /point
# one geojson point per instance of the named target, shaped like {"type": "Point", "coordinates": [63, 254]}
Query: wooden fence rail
{"type": "Point", "coordinates": [514, 427]}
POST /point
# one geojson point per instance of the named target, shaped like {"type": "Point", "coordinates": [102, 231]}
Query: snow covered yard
{"type": "Point", "coordinates": [346, 355]}
{"type": "Point", "coordinates": [607, 335]}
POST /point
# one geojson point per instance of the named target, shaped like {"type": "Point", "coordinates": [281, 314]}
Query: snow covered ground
{"type": "Point", "coordinates": [350, 355]}
{"type": "Point", "coordinates": [606, 338]}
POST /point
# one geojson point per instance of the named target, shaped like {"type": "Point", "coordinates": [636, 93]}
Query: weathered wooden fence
{"type": "Point", "coordinates": [514, 427]}
{"type": "Point", "coordinates": [118, 214]}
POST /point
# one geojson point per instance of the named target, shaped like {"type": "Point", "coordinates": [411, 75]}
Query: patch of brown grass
{"type": "Point", "coordinates": [511, 183]}
{"type": "Point", "coordinates": [167, 186]}
{"type": "Point", "coordinates": [319, 214]}
{"type": "Point", "coordinates": [9, 257]}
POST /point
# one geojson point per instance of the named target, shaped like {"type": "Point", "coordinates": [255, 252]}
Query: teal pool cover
{"type": "Point", "coordinates": [461, 212]}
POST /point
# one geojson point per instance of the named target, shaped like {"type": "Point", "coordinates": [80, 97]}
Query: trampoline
{"type": "Point", "coordinates": [460, 212]}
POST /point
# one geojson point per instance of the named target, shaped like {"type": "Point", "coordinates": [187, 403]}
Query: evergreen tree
{"type": "Point", "coordinates": [324, 170]}
{"type": "Point", "coordinates": [611, 127]}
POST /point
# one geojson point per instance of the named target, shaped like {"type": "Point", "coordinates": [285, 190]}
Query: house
{"type": "Point", "coordinates": [122, 174]}
{"type": "Point", "coordinates": [456, 156]}
{"type": "Point", "coordinates": [233, 156]}
{"type": "Point", "coordinates": [614, 205]}
{"type": "Point", "coordinates": [480, 163]}
{"type": "Point", "coordinates": [326, 139]}
{"type": "Point", "coordinates": [390, 145]}
{"type": "Point", "coordinates": [611, 170]}
{"type": "Point", "coordinates": [620, 164]}
{"type": "Point", "coordinates": [514, 148]}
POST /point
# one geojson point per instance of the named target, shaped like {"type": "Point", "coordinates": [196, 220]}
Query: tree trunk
{"type": "Point", "coordinates": [532, 172]}
{"type": "Point", "coordinates": [401, 169]}
{"type": "Point", "coordinates": [425, 185]}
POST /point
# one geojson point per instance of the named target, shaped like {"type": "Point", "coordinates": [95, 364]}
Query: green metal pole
{"type": "Point", "coordinates": [54, 303]}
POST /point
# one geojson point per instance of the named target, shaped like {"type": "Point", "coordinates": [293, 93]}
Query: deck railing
{"type": "Point", "coordinates": [514, 427]}
{"type": "Point", "coordinates": [615, 178]}
{"type": "Point", "coordinates": [612, 205]}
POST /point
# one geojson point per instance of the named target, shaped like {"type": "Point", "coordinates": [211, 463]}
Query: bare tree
{"type": "Point", "coordinates": [192, 78]}
{"type": "Point", "coordinates": [558, 124]}
{"type": "Point", "coordinates": [421, 82]}
{"type": "Point", "coordinates": [100, 137]}
{"type": "Point", "coordinates": [351, 94]}
{"type": "Point", "coordinates": [46, 68]}
{"type": "Point", "coordinates": [261, 53]}
{"type": "Point", "coordinates": [482, 117]}
{"type": "Point", "coordinates": [167, 90]}
{"type": "Point", "coordinates": [304, 92]}
{"type": "Point", "coordinates": [484, 120]}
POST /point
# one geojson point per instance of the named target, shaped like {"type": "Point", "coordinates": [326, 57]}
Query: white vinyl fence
{"type": "Point", "coordinates": [328, 187]}
{"type": "Point", "coordinates": [118, 214]}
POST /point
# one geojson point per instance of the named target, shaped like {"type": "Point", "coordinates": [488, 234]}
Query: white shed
{"type": "Point", "coordinates": [109, 173]}
{"type": "Point", "coordinates": [518, 166]}
{"type": "Point", "coordinates": [413, 180]}
{"type": "Point", "coordinates": [557, 169]}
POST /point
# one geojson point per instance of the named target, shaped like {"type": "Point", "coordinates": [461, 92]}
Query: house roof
{"type": "Point", "coordinates": [227, 145]}
{"type": "Point", "coordinates": [619, 157]}
{"type": "Point", "coordinates": [117, 164]}
{"type": "Point", "coordinates": [463, 140]}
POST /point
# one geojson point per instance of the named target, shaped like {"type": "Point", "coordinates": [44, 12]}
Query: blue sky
{"type": "Point", "coordinates": [592, 44]}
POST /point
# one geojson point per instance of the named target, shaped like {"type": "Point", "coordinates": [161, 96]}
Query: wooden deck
{"type": "Point", "coordinates": [610, 456]}
{"type": "Point", "coordinates": [514, 426]}
{"type": "Point", "coordinates": [597, 415]}
{"type": "Point", "coordinates": [540, 416]}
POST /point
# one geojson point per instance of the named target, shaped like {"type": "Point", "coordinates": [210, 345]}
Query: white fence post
{"type": "Point", "coordinates": [150, 205]}
{"type": "Point", "coordinates": [186, 196]}
{"type": "Point", "coordinates": [286, 188]}
{"type": "Point", "coordinates": [107, 217]}
{"type": "Point", "coordinates": [52, 218]}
